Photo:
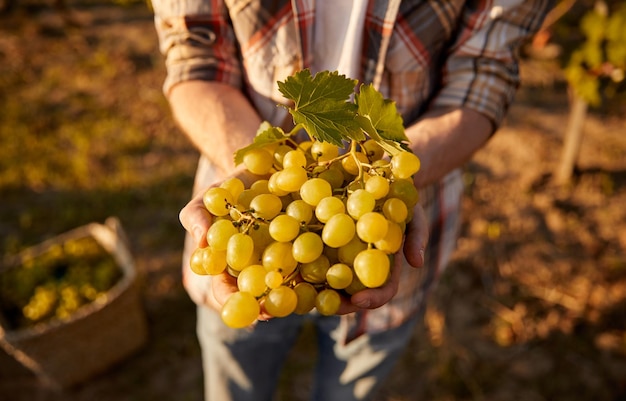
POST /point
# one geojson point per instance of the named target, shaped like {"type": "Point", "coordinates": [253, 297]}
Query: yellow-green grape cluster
{"type": "Point", "coordinates": [42, 303]}
{"type": "Point", "coordinates": [57, 283]}
{"type": "Point", "coordinates": [317, 224]}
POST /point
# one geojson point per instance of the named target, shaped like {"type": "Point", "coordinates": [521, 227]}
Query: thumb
{"type": "Point", "coordinates": [416, 238]}
{"type": "Point", "coordinates": [196, 219]}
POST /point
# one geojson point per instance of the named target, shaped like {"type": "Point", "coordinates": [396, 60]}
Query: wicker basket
{"type": "Point", "coordinates": [62, 353]}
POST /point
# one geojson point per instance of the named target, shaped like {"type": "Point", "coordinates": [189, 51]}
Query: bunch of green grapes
{"type": "Point", "coordinates": [58, 282]}
{"type": "Point", "coordinates": [53, 299]}
{"type": "Point", "coordinates": [42, 303]}
{"type": "Point", "coordinates": [320, 222]}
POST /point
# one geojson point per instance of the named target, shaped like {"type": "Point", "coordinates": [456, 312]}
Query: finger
{"type": "Point", "coordinates": [196, 219]}
{"type": "Point", "coordinates": [416, 238]}
{"type": "Point", "coordinates": [264, 315]}
{"type": "Point", "coordinates": [346, 306]}
{"type": "Point", "coordinates": [222, 286]}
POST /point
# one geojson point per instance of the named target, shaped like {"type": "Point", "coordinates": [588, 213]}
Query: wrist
{"type": "Point", "coordinates": [446, 138]}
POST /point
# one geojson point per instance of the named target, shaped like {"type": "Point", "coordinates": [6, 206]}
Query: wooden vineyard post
{"type": "Point", "coordinates": [572, 140]}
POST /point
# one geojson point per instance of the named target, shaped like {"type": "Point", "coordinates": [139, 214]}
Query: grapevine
{"type": "Point", "coordinates": [325, 214]}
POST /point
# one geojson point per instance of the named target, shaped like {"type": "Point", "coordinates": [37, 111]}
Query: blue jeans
{"type": "Point", "coordinates": [245, 365]}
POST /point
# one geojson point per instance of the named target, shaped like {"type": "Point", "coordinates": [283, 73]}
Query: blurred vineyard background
{"type": "Point", "coordinates": [533, 306]}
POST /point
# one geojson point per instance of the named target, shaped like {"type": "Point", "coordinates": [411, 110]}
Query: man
{"type": "Point", "coordinates": [450, 66]}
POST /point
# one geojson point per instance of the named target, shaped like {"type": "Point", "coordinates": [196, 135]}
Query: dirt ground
{"type": "Point", "coordinates": [532, 307]}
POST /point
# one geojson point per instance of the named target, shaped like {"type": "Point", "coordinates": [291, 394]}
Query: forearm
{"type": "Point", "coordinates": [217, 118]}
{"type": "Point", "coordinates": [445, 139]}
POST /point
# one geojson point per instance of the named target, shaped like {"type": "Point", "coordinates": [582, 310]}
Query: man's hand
{"type": "Point", "coordinates": [197, 220]}
{"type": "Point", "coordinates": [414, 245]}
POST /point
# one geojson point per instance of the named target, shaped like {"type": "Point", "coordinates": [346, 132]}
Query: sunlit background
{"type": "Point", "coordinates": [533, 306]}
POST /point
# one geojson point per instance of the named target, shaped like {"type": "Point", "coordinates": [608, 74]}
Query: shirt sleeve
{"type": "Point", "coordinates": [198, 42]}
{"type": "Point", "coordinates": [481, 71]}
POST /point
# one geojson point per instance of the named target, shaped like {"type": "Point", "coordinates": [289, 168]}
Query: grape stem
{"type": "Point", "coordinates": [295, 130]}
{"type": "Point", "coordinates": [358, 163]}
{"type": "Point", "coordinates": [246, 219]}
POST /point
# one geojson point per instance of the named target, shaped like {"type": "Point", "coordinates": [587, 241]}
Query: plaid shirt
{"type": "Point", "coordinates": [421, 54]}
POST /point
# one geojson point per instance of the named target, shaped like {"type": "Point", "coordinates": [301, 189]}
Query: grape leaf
{"type": "Point", "coordinates": [266, 135]}
{"type": "Point", "coordinates": [382, 113]}
{"type": "Point", "coordinates": [321, 105]}
{"type": "Point", "coordinates": [390, 146]}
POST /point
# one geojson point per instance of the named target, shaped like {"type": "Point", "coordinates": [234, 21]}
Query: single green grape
{"type": "Point", "coordinates": [405, 190]}
{"type": "Point", "coordinates": [395, 209]}
{"type": "Point", "coordinates": [314, 190]}
{"type": "Point", "coordinates": [234, 185]}
{"type": "Point", "coordinates": [279, 256]}
{"type": "Point", "coordinates": [373, 150]}
{"type": "Point", "coordinates": [338, 230]}
{"type": "Point", "coordinates": [195, 261]}
{"type": "Point", "coordinates": [327, 302]}
{"type": "Point", "coordinates": [404, 165]}
{"type": "Point", "coordinates": [300, 210]}
{"type": "Point", "coordinates": [284, 228]}
{"type": "Point", "coordinates": [281, 301]}
{"type": "Point", "coordinates": [294, 158]}
{"type": "Point", "coordinates": [258, 161]}
{"type": "Point", "coordinates": [378, 186]}
{"type": "Point", "coordinates": [219, 233]}
{"type": "Point", "coordinates": [261, 237]}
{"type": "Point", "coordinates": [218, 201]}
{"type": "Point", "coordinates": [252, 280]}
{"type": "Point", "coordinates": [260, 186]}
{"type": "Point", "coordinates": [360, 202]}
{"type": "Point", "coordinates": [324, 151]}
{"type": "Point", "coordinates": [372, 267]}
{"type": "Point", "coordinates": [273, 279]}
{"type": "Point", "coordinates": [339, 276]}
{"type": "Point", "coordinates": [307, 247]}
{"type": "Point", "coordinates": [315, 271]}
{"type": "Point", "coordinates": [239, 251]}
{"type": "Point", "coordinates": [328, 207]}
{"type": "Point", "coordinates": [334, 176]}
{"type": "Point", "coordinates": [266, 206]}
{"type": "Point", "coordinates": [291, 179]}
{"type": "Point", "coordinates": [371, 227]}
{"type": "Point", "coordinates": [240, 310]}
{"type": "Point", "coordinates": [306, 297]}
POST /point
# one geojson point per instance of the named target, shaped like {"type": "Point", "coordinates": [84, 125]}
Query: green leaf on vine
{"type": "Point", "coordinates": [381, 112]}
{"type": "Point", "coordinates": [389, 146]}
{"type": "Point", "coordinates": [321, 105]}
